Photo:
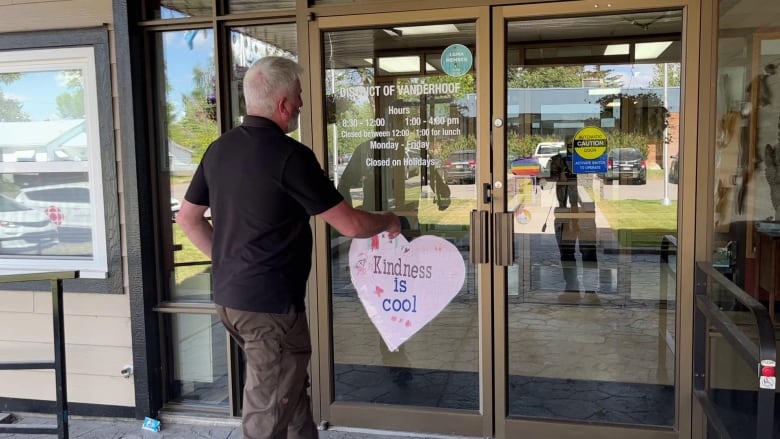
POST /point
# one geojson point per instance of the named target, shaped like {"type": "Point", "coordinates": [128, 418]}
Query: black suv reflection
{"type": "Point", "coordinates": [460, 166]}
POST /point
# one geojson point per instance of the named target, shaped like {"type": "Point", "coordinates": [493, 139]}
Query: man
{"type": "Point", "coordinates": [262, 187]}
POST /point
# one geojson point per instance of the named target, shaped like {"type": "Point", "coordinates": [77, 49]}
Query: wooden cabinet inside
{"type": "Point", "coordinates": [768, 268]}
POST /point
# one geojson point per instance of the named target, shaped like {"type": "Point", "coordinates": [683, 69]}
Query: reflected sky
{"type": "Point", "coordinates": [37, 92]}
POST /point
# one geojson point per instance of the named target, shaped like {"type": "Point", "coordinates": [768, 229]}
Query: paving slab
{"type": "Point", "coordinates": [180, 428]}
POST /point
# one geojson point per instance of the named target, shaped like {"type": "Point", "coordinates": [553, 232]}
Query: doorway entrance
{"type": "Point", "coordinates": [534, 141]}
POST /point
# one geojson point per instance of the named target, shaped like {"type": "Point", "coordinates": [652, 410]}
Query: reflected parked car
{"type": "Point", "coordinates": [625, 164]}
{"type": "Point", "coordinates": [67, 205]}
{"type": "Point", "coordinates": [175, 207]}
{"type": "Point", "coordinates": [461, 166]}
{"type": "Point", "coordinates": [411, 163]}
{"type": "Point", "coordinates": [23, 228]}
{"type": "Point", "coordinates": [544, 152]}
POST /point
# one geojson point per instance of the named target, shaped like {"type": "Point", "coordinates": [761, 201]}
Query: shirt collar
{"type": "Point", "coordinates": [260, 122]}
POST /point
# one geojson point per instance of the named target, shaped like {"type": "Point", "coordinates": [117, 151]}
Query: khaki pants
{"type": "Point", "coordinates": [278, 350]}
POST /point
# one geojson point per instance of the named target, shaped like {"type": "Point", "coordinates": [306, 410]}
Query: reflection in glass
{"type": "Point", "coordinates": [249, 44]}
{"type": "Point", "coordinates": [391, 136]}
{"type": "Point", "coordinates": [591, 297]}
{"type": "Point", "coordinates": [746, 181]}
{"type": "Point", "coordinates": [199, 350]}
{"type": "Point", "coordinates": [45, 203]}
{"type": "Point", "coordinates": [183, 8]}
{"type": "Point", "coordinates": [747, 160]}
{"type": "Point", "coordinates": [238, 6]}
{"type": "Point", "coordinates": [187, 125]}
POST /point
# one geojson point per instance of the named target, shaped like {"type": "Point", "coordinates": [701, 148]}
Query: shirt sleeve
{"type": "Point", "coordinates": [306, 182]}
{"type": "Point", "coordinates": [198, 192]}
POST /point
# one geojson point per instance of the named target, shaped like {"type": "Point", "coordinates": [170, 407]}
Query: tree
{"type": "Point", "coordinates": [7, 78]}
{"type": "Point", "coordinates": [11, 109]}
{"type": "Point", "coordinates": [197, 128]}
{"type": "Point", "coordinates": [603, 78]}
{"type": "Point", "coordinates": [561, 77]}
{"type": "Point", "coordinates": [546, 77]}
{"type": "Point", "coordinates": [70, 105]}
{"type": "Point", "coordinates": [672, 75]}
{"type": "Point", "coordinates": [650, 125]}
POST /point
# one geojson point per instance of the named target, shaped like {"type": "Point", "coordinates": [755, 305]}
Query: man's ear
{"type": "Point", "coordinates": [280, 105]}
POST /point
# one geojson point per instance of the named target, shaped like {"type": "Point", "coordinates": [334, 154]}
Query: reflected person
{"type": "Point", "coordinates": [575, 225]}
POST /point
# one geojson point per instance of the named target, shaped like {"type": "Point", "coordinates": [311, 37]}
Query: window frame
{"type": "Point", "coordinates": [88, 50]}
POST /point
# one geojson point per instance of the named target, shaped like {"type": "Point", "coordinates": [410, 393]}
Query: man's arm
{"type": "Point", "coordinates": [356, 223]}
{"type": "Point", "coordinates": [197, 228]}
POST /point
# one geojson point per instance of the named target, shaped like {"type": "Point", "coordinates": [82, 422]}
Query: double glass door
{"type": "Point", "coordinates": [533, 142]}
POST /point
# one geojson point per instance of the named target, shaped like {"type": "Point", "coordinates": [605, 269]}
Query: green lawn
{"type": "Point", "coordinates": [640, 223]}
{"type": "Point", "coordinates": [188, 253]}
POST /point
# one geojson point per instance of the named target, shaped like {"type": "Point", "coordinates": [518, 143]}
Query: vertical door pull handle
{"type": "Point", "coordinates": [504, 227]}
{"type": "Point", "coordinates": [486, 192]}
{"type": "Point", "coordinates": [479, 237]}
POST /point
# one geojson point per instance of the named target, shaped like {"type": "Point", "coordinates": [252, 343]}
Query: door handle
{"type": "Point", "coordinates": [504, 247]}
{"type": "Point", "coordinates": [479, 237]}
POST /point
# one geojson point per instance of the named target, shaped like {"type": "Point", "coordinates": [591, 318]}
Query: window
{"type": "Point", "coordinates": [53, 153]}
{"type": "Point", "coordinates": [747, 152]}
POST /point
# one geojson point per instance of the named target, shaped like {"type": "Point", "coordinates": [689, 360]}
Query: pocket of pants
{"type": "Point", "coordinates": [298, 339]}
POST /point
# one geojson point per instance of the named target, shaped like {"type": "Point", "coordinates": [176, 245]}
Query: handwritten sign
{"type": "Point", "coordinates": [403, 285]}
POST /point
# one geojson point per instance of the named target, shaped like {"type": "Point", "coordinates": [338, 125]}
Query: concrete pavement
{"type": "Point", "coordinates": [178, 428]}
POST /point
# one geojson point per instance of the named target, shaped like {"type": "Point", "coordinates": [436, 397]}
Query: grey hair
{"type": "Point", "coordinates": [268, 79]}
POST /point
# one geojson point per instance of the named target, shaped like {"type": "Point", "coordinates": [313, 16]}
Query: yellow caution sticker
{"type": "Point", "coordinates": [590, 143]}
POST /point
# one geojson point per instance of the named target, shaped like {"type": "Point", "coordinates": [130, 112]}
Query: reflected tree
{"type": "Point", "coordinates": [672, 75]}
{"type": "Point", "coordinates": [561, 77]}
{"type": "Point", "coordinates": [197, 127]}
{"type": "Point", "coordinates": [10, 108]}
{"type": "Point", "coordinates": [70, 105]}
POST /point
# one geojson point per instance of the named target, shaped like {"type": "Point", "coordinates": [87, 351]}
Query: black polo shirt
{"type": "Point", "coordinates": [262, 187]}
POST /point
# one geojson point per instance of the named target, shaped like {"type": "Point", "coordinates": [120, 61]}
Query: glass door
{"type": "Point", "coordinates": [403, 133]}
{"type": "Point", "coordinates": [536, 141]}
{"type": "Point", "coordinates": [587, 116]}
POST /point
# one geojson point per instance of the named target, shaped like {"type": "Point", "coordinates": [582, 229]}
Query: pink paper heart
{"type": "Point", "coordinates": [404, 285]}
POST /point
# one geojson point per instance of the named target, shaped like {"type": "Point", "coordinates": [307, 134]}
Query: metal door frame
{"type": "Point", "coordinates": [491, 419]}
{"type": "Point", "coordinates": [527, 428]}
{"type": "Point", "coordinates": [420, 419]}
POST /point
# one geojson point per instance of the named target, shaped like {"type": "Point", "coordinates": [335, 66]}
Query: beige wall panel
{"type": "Point", "coordinates": [105, 361]}
{"type": "Point", "coordinates": [81, 360]}
{"type": "Point", "coordinates": [27, 327]}
{"type": "Point", "coordinates": [24, 16]}
{"type": "Point", "coordinates": [89, 389]}
{"type": "Point", "coordinates": [101, 390]}
{"type": "Point", "coordinates": [98, 331]}
{"type": "Point", "coordinates": [80, 304]}
{"type": "Point", "coordinates": [98, 345]}
{"type": "Point", "coordinates": [28, 384]}
{"type": "Point", "coordinates": [16, 302]}
{"type": "Point", "coordinates": [25, 351]}
{"type": "Point", "coordinates": [90, 319]}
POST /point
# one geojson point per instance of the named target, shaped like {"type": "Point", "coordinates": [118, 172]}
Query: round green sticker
{"type": "Point", "coordinates": [456, 60]}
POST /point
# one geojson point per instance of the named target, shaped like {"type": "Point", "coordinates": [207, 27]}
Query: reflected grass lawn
{"type": "Point", "coordinates": [188, 253]}
{"type": "Point", "coordinates": [640, 223]}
